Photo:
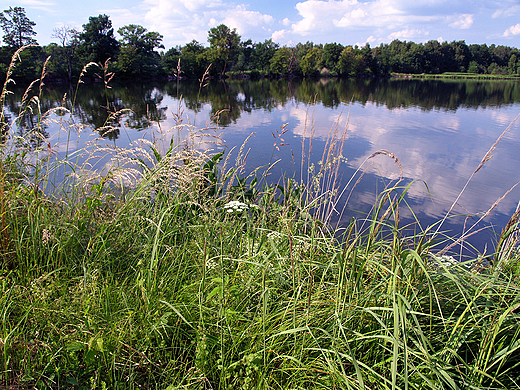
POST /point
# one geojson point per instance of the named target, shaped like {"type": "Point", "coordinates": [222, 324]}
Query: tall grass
{"type": "Point", "coordinates": [144, 275]}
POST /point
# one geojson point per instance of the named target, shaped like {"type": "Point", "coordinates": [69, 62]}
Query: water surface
{"type": "Point", "coordinates": [439, 131]}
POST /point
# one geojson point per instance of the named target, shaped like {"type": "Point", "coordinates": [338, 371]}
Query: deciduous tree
{"type": "Point", "coordinates": [137, 56]}
{"type": "Point", "coordinates": [281, 61]}
{"type": "Point", "coordinates": [262, 54]}
{"type": "Point", "coordinates": [224, 47]}
{"type": "Point", "coordinates": [68, 38]}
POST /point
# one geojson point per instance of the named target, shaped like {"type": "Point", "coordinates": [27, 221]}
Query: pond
{"type": "Point", "coordinates": [438, 130]}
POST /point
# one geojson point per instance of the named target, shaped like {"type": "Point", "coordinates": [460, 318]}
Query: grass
{"type": "Point", "coordinates": [458, 76]}
{"type": "Point", "coordinates": [145, 275]}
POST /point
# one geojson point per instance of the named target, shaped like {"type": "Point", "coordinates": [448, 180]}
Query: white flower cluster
{"type": "Point", "coordinates": [47, 236]}
{"type": "Point", "coordinates": [445, 260]}
{"type": "Point", "coordinates": [274, 235]}
{"type": "Point", "coordinates": [235, 205]}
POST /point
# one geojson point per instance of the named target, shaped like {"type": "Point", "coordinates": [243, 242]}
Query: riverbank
{"type": "Point", "coordinates": [457, 76]}
{"type": "Point", "coordinates": [196, 277]}
{"type": "Point", "coordinates": [167, 265]}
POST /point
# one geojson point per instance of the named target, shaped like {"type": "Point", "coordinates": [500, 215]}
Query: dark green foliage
{"type": "Point", "coordinates": [224, 48]}
{"type": "Point", "coordinates": [137, 56]}
{"type": "Point", "coordinates": [18, 28]}
{"type": "Point", "coordinates": [97, 41]}
{"type": "Point", "coordinates": [188, 61]}
{"type": "Point", "coordinates": [262, 54]}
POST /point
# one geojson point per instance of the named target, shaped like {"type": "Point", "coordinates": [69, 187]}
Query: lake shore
{"type": "Point", "coordinates": [172, 263]}
{"type": "Point", "coordinates": [456, 76]}
{"type": "Point", "coordinates": [170, 271]}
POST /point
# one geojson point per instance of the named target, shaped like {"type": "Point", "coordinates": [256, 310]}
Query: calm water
{"type": "Point", "coordinates": [439, 130]}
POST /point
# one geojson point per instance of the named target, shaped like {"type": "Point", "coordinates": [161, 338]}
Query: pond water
{"type": "Point", "coordinates": [439, 130]}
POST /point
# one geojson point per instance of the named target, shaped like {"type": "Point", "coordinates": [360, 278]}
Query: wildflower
{"type": "Point", "coordinates": [445, 260]}
{"type": "Point", "coordinates": [274, 235]}
{"type": "Point", "coordinates": [235, 205]}
{"type": "Point", "coordinates": [46, 236]}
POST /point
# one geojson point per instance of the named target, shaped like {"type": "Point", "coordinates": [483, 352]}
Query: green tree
{"type": "Point", "coordinates": [434, 57]}
{"type": "Point", "coordinates": [244, 59]}
{"type": "Point", "coordinates": [481, 55]}
{"type": "Point", "coordinates": [350, 62]}
{"type": "Point", "coordinates": [262, 54]}
{"type": "Point", "coordinates": [97, 41]}
{"type": "Point", "coordinates": [137, 55]}
{"type": "Point", "coordinates": [62, 57]}
{"type": "Point", "coordinates": [281, 62]}
{"type": "Point", "coordinates": [331, 53]}
{"type": "Point", "coordinates": [224, 47]}
{"type": "Point", "coordinates": [474, 67]}
{"type": "Point", "coordinates": [170, 60]}
{"type": "Point", "coordinates": [461, 55]}
{"type": "Point", "coordinates": [18, 28]}
{"type": "Point", "coordinates": [311, 61]}
{"type": "Point", "coordinates": [193, 59]}
{"type": "Point", "coordinates": [512, 65]}
{"type": "Point", "coordinates": [298, 53]}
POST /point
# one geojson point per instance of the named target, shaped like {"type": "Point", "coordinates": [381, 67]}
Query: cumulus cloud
{"type": "Point", "coordinates": [242, 19]}
{"type": "Point", "coordinates": [513, 30]}
{"type": "Point", "coordinates": [407, 34]}
{"type": "Point", "coordinates": [320, 17]}
{"type": "Point", "coordinates": [464, 21]}
{"type": "Point", "coordinates": [122, 17]}
{"type": "Point", "coordinates": [322, 21]}
{"type": "Point", "coordinates": [325, 20]}
{"type": "Point", "coordinates": [278, 35]}
{"type": "Point", "coordinates": [180, 21]}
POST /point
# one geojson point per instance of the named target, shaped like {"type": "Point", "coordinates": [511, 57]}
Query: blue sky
{"type": "Point", "coordinates": [348, 22]}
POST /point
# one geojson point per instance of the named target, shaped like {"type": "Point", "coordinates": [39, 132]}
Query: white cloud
{"type": "Point", "coordinates": [505, 12]}
{"type": "Point", "coordinates": [243, 20]}
{"type": "Point", "coordinates": [464, 21]}
{"type": "Point", "coordinates": [181, 21]}
{"type": "Point", "coordinates": [326, 20]}
{"type": "Point", "coordinates": [407, 34]}
{"type": "Point", "coordinates": [319, 16]}
{"type": "Point", "coordinates": [513, 30]}
{"type": "Point", "coordinates": [278, 36]}
{"type": "Point", "coordinates": [122, 17]}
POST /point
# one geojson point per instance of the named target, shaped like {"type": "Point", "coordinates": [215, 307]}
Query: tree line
{"type": "Point", "coordinates": [136, 54]}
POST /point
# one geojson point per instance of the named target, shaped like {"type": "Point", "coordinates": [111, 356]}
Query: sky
{"type": "Point", "coordinates": [286, 22]}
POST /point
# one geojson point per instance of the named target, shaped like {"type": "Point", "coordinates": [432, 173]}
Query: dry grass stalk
{"type": "Point", "coordinates": [239, 162]}
{"type": "Point", "coordinates": [484, 160]}
{"type": "Point", "coordinates": [391, 155]}
{"type": "Point", "coordinates": [5, 238]}
{"type": "Point", "coordinates": [467, 233]}
{"type": "Point", "coordinates": [363, 171]}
